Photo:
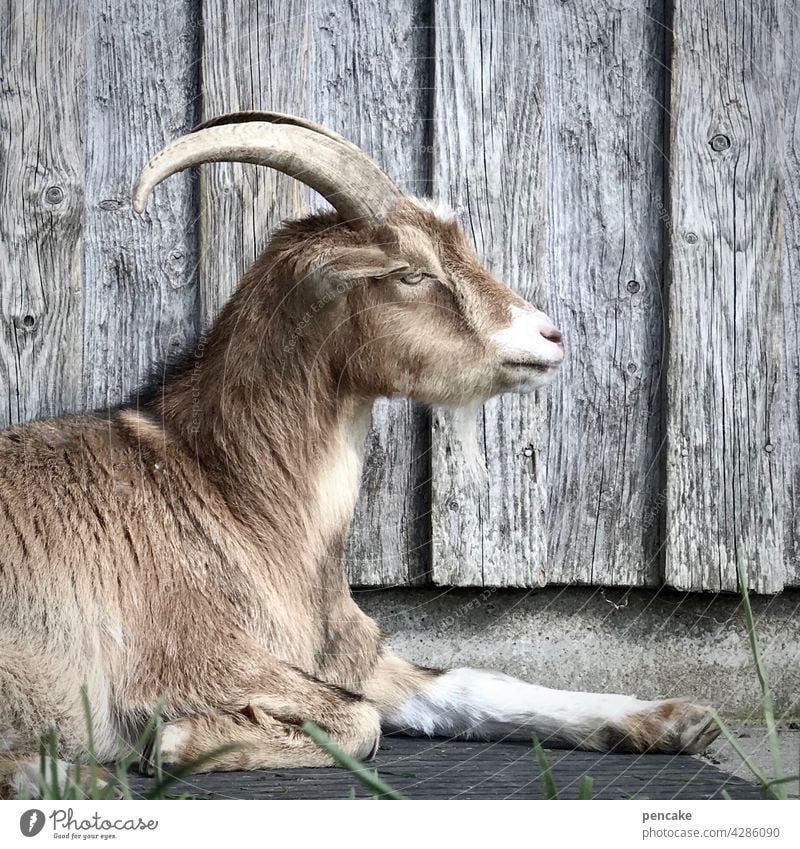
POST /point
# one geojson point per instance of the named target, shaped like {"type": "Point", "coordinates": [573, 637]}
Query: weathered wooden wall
{"type": "Point", "coordinates": [552, 147]}
{"type": "Point", "coordinates": [790, 279]}
{"type": "Point", "coordinates": [42, 212]}
{"type": "Point", "coordinates": [731, 372]}
{"type": "Point", "coordinates": [644, 189]}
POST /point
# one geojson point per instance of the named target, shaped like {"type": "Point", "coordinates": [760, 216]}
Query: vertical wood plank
{"type": "Point", "coordinates": [487, 164]}
{"type": "Point", "coordinates": [360, 69]}
{"type": "Point", "coordinates": [725, 417]}
{"type": "Point", "coordinates": [41, 184]}
{"type": "Point", "coordinates": [254, 56]}
{"type": "Point", "coordinates": [791, 286]}
{"type": "Point", "coordinates": [605, 130]}
{"type": "Point", "coordinates": [140, 272]}
{"type": "Point", "coordinates": [551, 147]}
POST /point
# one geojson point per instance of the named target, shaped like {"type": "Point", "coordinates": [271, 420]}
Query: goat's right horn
{"type": "Point", "coordinates": [345, 176]}
{"type": "Point", "coordinates": [275, 118]}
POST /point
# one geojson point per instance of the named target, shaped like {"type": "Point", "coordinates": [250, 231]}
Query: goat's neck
{"type": "Point", "coordinates": [280, 438]}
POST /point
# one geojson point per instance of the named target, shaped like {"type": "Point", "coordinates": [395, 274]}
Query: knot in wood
{"type": "Point", "coordinates": [720, 142]}
{"type": "Point", "coordinates": [54, 195]}
{"type": "Point", "coordinates": [26, 322]}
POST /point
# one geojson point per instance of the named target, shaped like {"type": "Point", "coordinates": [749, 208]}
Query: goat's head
{"type": "Point", "coordinates": [401, 302]}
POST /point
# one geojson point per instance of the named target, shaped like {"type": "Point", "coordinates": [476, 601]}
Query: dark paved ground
{"type": "Point", "coordinates": [443, 769]}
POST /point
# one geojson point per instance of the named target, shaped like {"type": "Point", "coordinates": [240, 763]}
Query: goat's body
{"type": "Point", "coordinates": [189, 547]}
{"type": "Point", "coordinates": [133, 596]}
{"type": "Point", "coordinates": [149, 586]}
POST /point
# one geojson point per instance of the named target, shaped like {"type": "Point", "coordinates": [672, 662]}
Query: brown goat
{"type": "Point", "coordinates": [189, 545]}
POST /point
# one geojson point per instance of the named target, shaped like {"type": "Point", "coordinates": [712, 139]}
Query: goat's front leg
{"type": "Point", "coordinates": [262, 728]}
{"type": "Point", "coordinates": [479, 704]}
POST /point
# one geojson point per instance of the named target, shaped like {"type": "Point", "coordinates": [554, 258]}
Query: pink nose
{"type": "Point", "coordinates": [552, 334]}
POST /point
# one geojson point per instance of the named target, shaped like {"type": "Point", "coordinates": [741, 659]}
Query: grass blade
{"type": "Point", "coordinates": [789, 779]}
{"type": "Point", "coordinates": [766, 695]}
{"type": "Point", "coordinates": [87, 711]}
{"type": "Point", "coordinates": [744, 757]}
{"type": "Point", "coordinates": [369, 778]}
{"type": "Point", "coordinates": [180, 771]}
{"type": "Point", "coordinates": [549, 784]}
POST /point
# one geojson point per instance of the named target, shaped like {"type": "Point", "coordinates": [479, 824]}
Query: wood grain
{"type": "Point", "coordinates": [605, 130]}
{"type": "Point", "coordinates": [487, 165]}
{"type": "Point", "coordinates": [726, 455]}
{"type": "Point", "coordinates": [41, 184]}
{"type": "Point", "coordinates": [791, 288]}
{"type": "Point", "coordinates": [360, 69]}
{"type": "Point", "coordinates": [542, 123]}
{"type": "Point", "coordinates": [140, 274]}
{"type": "Point", "coordinates": [550, 148]}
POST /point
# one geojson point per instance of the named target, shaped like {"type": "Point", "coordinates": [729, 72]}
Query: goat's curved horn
{"type": "Point", "coordinates": [346, 177]}
{"type": "Point", "coordinates": [275, 118]}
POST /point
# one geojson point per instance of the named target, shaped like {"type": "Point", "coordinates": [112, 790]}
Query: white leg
{"type": "Point", "coordinates": [480, 704]}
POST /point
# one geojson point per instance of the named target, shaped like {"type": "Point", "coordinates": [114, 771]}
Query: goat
{"type": "Point", "coordinates": [188, 545]}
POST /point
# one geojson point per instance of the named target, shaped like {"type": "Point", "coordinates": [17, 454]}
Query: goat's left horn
{"type": "Point", "coordinates": [345, 176]}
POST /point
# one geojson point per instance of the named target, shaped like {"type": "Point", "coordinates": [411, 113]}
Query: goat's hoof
{"type": "Point", "coordinates": [172, 737]}
{"type": "Point", "coordinates": [374, 751]}
{"type": "Point", "coordinates": [673, 726]}
{"type": "Point", "coordinates": [695, 727]}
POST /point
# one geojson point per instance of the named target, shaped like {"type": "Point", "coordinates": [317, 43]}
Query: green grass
{"type": "Point", "coordinates": [776, 785]}
{"type": "Point", "coordinates": [369, 778]}
{"type": "Point", "coordinates": [549, 785]}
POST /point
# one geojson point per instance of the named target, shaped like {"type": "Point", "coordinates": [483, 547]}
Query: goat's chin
{"type": "Point", "coordinates": [529, 380]}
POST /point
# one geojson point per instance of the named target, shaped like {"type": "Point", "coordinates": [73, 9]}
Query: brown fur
{"type": "Point", "coordinates": [189, 545]}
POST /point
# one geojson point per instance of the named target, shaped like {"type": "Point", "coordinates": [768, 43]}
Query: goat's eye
{"type": "Point", "coordinates": [414, 278]}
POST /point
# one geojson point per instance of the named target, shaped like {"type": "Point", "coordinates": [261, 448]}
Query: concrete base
{"type": "Point", "coordinates": [646, 643]}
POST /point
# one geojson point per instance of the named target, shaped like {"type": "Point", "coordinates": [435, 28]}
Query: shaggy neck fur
{"type": "Point", "coordinates": [270, 419]}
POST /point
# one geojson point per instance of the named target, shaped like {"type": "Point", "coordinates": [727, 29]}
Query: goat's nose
{"type": "Point", "coordinates": [552, 334]}
{"type": "Point", "coordinates": [530, 335]}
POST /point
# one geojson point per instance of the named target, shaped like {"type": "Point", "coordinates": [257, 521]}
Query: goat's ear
{"type": "Point", "coordinates": [346, 265]}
